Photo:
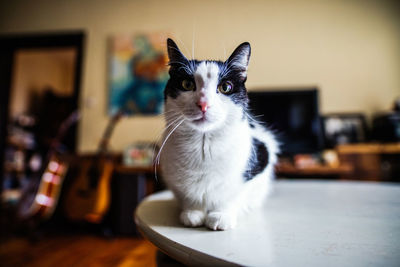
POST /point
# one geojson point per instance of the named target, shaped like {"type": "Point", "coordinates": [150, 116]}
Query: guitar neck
{"type": "Point", "coordinates": [103, 145]}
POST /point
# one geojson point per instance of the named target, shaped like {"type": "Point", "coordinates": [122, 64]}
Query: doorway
{"type": "Point", "coordinates": [40, 75]}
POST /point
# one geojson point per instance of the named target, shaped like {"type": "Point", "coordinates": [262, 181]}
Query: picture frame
{"type": "Point", "coordinates": [344, 128]}
{"type": "Point", "coordinates": [138, 73]}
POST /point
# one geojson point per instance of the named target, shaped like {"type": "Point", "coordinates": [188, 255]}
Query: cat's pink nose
{"type": "Point", "coordinates": [203, 106]}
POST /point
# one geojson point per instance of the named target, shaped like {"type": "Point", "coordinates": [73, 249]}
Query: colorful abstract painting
{"type": "Point", "coordinates": [138, 74]}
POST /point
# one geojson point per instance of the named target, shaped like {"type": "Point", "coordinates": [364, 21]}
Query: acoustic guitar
{"type": "Point", "coordinates": [41, 196]}
{"type": "Point", "coordinates": [88, 198]}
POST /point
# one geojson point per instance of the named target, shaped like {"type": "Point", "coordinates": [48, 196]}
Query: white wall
{"type": "Point", "coordinates": [349, 49]}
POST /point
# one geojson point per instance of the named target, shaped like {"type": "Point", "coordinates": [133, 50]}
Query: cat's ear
{"type": "Point", "coordinates": [240, 58]}
{"type": "Point", "coordinates": [174, 54]}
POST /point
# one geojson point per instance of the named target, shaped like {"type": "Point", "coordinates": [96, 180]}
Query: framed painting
{"type": "Point", "coordinates": [344, 128]}
{"type": "Point", "coordinates": [138, 74]}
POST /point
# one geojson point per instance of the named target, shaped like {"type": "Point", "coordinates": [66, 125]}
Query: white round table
{"type": "Point", "coordinates": [304, 223]}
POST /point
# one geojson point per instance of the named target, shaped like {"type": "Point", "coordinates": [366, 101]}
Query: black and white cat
{"type": "Point", "coordinates": [215, 158]}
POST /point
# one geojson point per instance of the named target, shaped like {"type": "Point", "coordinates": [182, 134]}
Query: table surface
{"type": "Point", "coordinates": [304, 223]}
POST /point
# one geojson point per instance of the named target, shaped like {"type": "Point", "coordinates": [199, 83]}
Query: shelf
{"type": "Point", "coordinates": [369, 148]}
{"type": "Point", "coordinates": [323, 170]}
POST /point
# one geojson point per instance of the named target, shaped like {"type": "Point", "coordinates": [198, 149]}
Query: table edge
{"type": "Point", "coordinates": [178, 251]}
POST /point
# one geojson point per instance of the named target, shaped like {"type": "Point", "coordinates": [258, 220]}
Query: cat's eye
{"type": "Point", "coordinates": [188, 85]}
{"type": "Point", "coordinates": [225, 87]}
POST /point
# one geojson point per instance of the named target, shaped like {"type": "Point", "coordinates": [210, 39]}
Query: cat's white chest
{"type": "Point", "coordinates": [222, 154]}
{"type": "Point", "coordinates": [203, 164]}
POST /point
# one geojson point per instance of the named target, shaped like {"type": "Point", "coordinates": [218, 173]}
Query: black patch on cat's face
{"type": "Point", "coordinates": [180, 69]}
{"type": "Point", "coordinates": [233, 70]}
{"type": "Point", "coordinates": [239, 92]}
{"type": "Point", "coordinates": [178, 73]}
{"type": "Point", "coordinates": [258, 160]}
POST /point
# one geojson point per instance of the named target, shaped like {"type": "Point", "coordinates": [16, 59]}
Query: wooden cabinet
{"type": "Point", "coordinates": [373, 161]}
{"type": "Point", "coordinates": [367, 162]}
{"type": "Point", "coordinates": [289, 170]}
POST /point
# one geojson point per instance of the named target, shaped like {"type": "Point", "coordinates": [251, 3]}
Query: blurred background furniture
{"type": "Point", "coordinates": [287, 169]}
{"type": "Point", "coordinates": [371, 161]}
{"type": "Point", "coordinates": [129, 186]}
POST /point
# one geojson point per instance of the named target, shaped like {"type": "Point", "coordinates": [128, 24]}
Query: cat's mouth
{"type": "Point", "coordinates": [204, 122]}
{"type": "Point", "coordinates": [200, 119]}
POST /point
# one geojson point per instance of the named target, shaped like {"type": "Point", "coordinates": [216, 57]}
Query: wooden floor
{"type": "Point", "coordinates": [77, 250]}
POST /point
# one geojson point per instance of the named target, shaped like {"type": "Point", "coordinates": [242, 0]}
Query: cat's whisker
{"type": "Point", "coordinates": [227, 69]}
{"type": "Point", "coordinates": [166, 112]}
{"type": "Point", "coordinates": [257, 116]}
{"type": "Point", "coordinates": [188, 70]}
{"type": "Point", "coordinates": [157, 161]}
{"type": "Point", "coordinates": [194, 31]}
{"type": "Point", "coordinates": [174, 120]}
{"type": "Point", "coordinates": [166, 139]}
{"type": "Point", "coordinates": [184, 65]}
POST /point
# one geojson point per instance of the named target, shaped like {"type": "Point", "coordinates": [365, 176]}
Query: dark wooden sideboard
{"type": "Point", "coordinates": [366, 161]}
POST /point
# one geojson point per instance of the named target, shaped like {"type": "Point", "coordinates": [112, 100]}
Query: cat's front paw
{"type": "Point", "coordinates": [217, 220]}
{"type": "Point", "coordinates": [192, 218]}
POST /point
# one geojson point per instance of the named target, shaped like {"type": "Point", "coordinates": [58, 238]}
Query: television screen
{"type": "Point", "coordinates": [293, 115]}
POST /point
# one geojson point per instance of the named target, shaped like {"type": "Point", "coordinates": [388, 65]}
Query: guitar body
{"type": "Point", "coordinates": [88, 198]}
{"type": "Point", "coordinates": [42, 196]}
{"type": "Point", "coordinates": [40, 199]}
{"type": "Point", "coordinates": [87, 201]}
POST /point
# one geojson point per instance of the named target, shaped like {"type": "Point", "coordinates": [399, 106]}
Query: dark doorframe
{"type": "Point", "coordinates": [9, 44]}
